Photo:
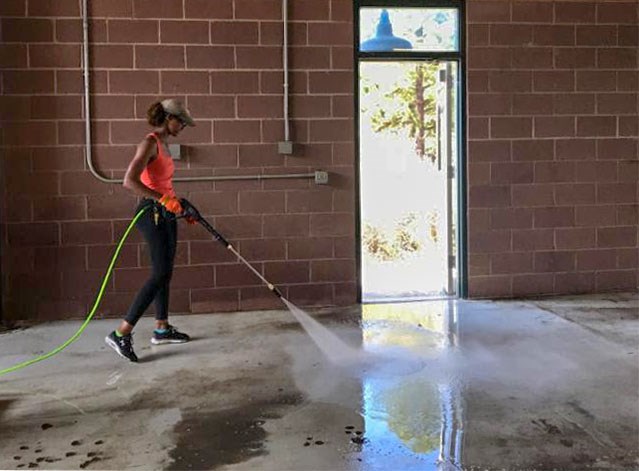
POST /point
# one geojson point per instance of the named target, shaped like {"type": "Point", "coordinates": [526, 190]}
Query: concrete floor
{"type": "Point", "coordinates": [536, 385]}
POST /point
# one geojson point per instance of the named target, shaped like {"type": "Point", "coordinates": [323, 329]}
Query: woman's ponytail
{"type": "Point", "coordinates": [156, 115]}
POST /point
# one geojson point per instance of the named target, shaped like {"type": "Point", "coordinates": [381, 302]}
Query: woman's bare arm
{"type": "Point", "coordinates": [136, 167]}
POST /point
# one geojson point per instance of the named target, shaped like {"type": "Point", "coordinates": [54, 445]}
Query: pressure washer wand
{"type": "Point", "coordinates": [191, 212]}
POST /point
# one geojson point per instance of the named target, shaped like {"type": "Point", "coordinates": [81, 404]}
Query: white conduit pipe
{"type": "Point", "coordinates": [87, 122]}
{"type": "Point", "coordinates": [285, 63]}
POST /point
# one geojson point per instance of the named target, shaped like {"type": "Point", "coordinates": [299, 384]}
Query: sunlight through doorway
{"type": "Point", "coordinates": [408, 154]}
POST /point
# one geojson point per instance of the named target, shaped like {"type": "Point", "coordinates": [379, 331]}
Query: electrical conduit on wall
{"type": "Point", "coordinates": [87, 114]}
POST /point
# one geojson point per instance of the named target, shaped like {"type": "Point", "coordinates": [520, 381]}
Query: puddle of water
{"type": "Point", "coordinates": [400, 382]}
{"type": "Point", "coordinates": [411, 398]}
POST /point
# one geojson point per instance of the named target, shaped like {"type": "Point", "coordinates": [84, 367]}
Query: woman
{"type": "Point", "coordinates": [149, 175]}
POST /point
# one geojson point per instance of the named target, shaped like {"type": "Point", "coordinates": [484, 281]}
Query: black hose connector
{"type": "Point", "coordinates": [190, 211]}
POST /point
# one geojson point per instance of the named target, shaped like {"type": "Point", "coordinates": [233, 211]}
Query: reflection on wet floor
{"type": "Point", "coordinates": [413, 419]}
{"type": "Point", "coordinates": [493, 384]}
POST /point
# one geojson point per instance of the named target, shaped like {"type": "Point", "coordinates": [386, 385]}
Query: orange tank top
{"type": "Point", "coordinates": [158, 173]}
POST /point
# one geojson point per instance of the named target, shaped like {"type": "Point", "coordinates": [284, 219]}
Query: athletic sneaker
{"type": "Point", "coordinates": [170, 335]}
{"type": "Point", "coordinates": [122, 345]}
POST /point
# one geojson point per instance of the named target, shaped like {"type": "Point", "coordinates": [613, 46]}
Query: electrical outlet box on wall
{"type": "Point", "coordinates": [176, 151]}
{"type": "Point", "coordinates": [285, 147]}
{"type": "Point", "coordinates": [321, 177]}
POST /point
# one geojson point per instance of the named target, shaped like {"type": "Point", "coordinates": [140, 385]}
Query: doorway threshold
{"type": "Point", "coordinates": [407, 298]}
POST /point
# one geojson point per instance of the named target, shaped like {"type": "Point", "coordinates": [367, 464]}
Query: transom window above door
{"type": "Point", "coordinates": [408, 29]}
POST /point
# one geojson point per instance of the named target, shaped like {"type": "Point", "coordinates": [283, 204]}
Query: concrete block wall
{"type": "Point", "coordinates": [224, 58]}
{"type": "Point", "coordinates": [552, 150]}
{"type": "Point", "coordinates": [553, 161]}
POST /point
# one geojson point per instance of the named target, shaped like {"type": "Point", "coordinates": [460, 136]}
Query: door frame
{"type": "Point", "coordinates": [460, 58]}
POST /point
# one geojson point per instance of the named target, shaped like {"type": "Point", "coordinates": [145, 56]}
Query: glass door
{"type": "Point", "coordinates": [408, 84]}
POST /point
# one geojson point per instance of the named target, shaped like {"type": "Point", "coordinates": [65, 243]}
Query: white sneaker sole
{"type": "Point", "coordinates": [114, 346]}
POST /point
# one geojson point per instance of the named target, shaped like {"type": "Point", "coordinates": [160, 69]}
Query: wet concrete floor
{"type": "Point", "coordinates": [549, 384]}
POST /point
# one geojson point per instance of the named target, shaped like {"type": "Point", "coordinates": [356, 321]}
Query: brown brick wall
{"type": "Point", "coordinates": [552, 150]}
{"type": "Point", "coordinates": [553, 161]}
{"type": "Point", "coordinates": [224, 58]}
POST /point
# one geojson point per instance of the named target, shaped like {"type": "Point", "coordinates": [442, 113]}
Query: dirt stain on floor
{"type": "Point", "coordinates": [4, 406]}
{"type": "Point", "coordinates": [213, 439]}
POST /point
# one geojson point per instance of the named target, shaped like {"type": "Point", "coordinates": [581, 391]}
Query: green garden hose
{"type": "Point", "coordinates": [96, 304]}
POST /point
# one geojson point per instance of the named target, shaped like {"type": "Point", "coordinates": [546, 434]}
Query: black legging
{"type": "Point", "coordinates": [162, 241]}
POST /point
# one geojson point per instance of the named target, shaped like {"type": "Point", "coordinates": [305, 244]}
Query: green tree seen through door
{"type": "Point", "coordinates": [409, 107]}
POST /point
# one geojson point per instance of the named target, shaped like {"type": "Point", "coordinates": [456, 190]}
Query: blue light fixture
{"type": "Point", "coordinates": [384, 39]}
